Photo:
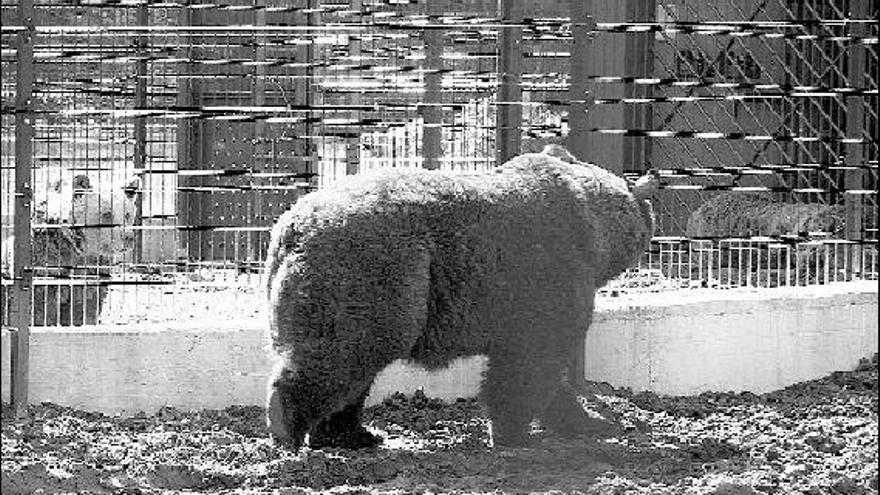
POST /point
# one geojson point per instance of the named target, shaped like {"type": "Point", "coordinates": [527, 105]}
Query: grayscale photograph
{"type": "Point", "coordinates": [388, 247]}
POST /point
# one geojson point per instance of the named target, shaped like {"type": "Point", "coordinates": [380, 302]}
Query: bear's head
{"type": "Point", "coordinates": [622, 218]}
{"type": "Point", "coordinates": [106, 213]}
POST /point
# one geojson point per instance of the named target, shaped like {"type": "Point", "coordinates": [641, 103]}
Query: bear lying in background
{"type": "Point", "coordinates": [745, 215]}
{"type": "Point", "coordinates": [430, 266]}
{"type": "Point", "coordinates": [736, 214]}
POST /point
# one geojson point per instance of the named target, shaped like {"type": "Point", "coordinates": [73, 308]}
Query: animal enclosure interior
{"type": "Point", "coordinates": [149, 146]}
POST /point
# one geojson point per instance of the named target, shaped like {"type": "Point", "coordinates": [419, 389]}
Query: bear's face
{"type": "Point", "coordinates": [631, 243]}
{"type": "Point", "coordinates": [107, 213]}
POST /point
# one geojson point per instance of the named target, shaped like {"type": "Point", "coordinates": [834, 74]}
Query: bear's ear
{"type": "Point", "coordinates": [648, 216]}
{"type": "Point", "coordinates": [81, 184]}
{"type": "Point", "coordinates": [646, 185]}
{"type": "Point", "coordinates": [131, 187]}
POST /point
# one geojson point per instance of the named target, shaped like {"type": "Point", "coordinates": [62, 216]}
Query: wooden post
{"type": "Point", "coordinates": [140, 131]}
{"type": "Point", "coordinates": [855, 128]}
{"type": "Point", "coordinates": [432, 111]}
{"type": "Point", "coordinates": [22, 268]}
{"type": "Point", "coordinates": [508, 112]}
{"type": "Point", "coordinates": [582, 28]}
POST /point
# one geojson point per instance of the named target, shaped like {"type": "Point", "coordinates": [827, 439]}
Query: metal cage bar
{"type": "Point", "coordinates": [23, 264]}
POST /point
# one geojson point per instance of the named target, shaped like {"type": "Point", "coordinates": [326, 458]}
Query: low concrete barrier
{"type": "Point", "coordinates": [678, 343]}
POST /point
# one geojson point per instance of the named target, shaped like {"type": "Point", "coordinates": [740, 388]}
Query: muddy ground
{"type": "Point", "coordinates": [817, 437]}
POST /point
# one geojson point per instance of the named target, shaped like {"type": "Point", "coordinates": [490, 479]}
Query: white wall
{"type": "Point", "coordinates": [673, 342]}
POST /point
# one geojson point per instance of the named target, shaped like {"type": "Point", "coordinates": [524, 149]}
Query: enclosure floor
{"type": "Point", "coordinates": [818, 437]}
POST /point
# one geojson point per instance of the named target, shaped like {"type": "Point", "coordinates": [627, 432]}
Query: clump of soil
{"type": "Point", "coordinates": [817, 438]}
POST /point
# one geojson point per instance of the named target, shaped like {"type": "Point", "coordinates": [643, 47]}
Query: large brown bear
{"type": "Point", "coordinates": [430, 266]}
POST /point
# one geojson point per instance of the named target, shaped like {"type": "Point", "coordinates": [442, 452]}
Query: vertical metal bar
{"type": "Point", "coordinates": [582, 26]}
{"type": "Point", "coordinates": [302, 90]}
{"type": "Point", "coordinates": [261, 147]}
{"type": "Point", "coordinates": [855, 128]}
{"type": "Point", "coordinates": [432, 113]}
{"type": "Point", "coordinates": [510, 66]}
{"type": "Point", "coordinates": [22, 260]}
{"type": "Point", "coordinates": [188, 138]}
{"type": "Point", "coordinates": [140, 130]}
{"type": "Point", "coordinates": [645, 57]}
{"type": "Point", "coordinates": [631, 45]}
{"type": "Point", "coordinates": [353, 146]}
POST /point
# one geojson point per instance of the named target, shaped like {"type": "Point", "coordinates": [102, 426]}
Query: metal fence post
{"type": "Point", "coordinates": [582, 25]}
{"type": "Point", "coordinates": [353, 144]}
{"type": "Point", "coordinates": [639, 54]}
{"type": "Point", "coordinates": [262, 147]}
{"type": "Point", "coordinates": [855, 128]}
{"type": "Point", "coordinates": [191, 138]}
{"type": "Point", "coordinates": [140, 131]}
{"type": "Point", "coordinates": [432, 114]}
{"type": "Point", "coordinates": [510, 65]}
{"type": "Point", "coordinates": [302, 90]}
{"type": "Point", "coordinates": [22, 261]}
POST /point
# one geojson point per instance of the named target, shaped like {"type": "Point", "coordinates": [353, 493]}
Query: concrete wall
{"type": "Point", "coordinates": [674, 342]}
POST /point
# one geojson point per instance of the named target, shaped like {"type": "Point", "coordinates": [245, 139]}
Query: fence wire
{"type": "Point", "coordinates": [170, 135]}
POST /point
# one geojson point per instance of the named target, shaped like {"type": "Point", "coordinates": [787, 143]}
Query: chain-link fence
{"type": "Point", "coordinates": [167, 137]}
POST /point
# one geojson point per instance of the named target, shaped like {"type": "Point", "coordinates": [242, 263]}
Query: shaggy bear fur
{"type": "Point", "coordinates": [430, 266]}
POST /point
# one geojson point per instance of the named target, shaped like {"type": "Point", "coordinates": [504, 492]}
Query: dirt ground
{"type": "Point", "coordinates": [814, 438]}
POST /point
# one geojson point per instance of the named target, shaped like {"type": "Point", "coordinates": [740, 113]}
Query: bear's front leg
{"type": "Point", "coordinates": [340, 318]}
{"type": "Point", "coordinates": [567, 417]}
{"type": "Point", "coordinates": [284, 423]}
{"type": "Point", "coordinates": [520, 379]}
{"type": "Point", "coordinates": [343, 429]}
{"type": "Point", "coordinates": [306, 396]}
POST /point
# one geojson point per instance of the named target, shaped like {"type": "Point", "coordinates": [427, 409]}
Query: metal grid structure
{"type": "Point", "coordinates": [164, 138]}
{"type": "Point", "coordinates": [789, 88]}
{"type": "Point", "coordinates": [777, 99]}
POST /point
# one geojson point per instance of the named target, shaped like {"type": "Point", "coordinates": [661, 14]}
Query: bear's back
{"type": "Point", "coordinates": [430, 200]}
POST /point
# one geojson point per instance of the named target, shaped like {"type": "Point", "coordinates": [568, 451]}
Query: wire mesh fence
{"type": "Point", "coordinates": [168, 136]}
